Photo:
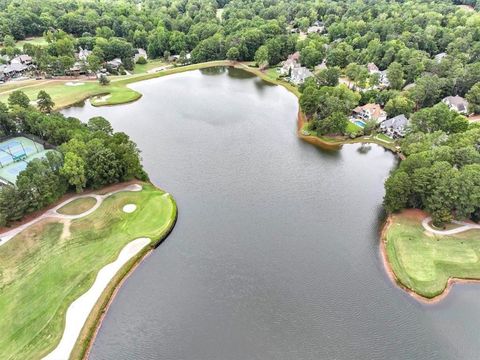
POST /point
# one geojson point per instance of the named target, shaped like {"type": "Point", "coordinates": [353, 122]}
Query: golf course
{"type": "Point", "coordinates": [427, 263]}
{"type": "Point", "coordinates": [54, 261]}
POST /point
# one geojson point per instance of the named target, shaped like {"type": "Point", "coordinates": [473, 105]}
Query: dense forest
{"type": "Point", "coordinates": [429, 50]}
{"type": "Point", "coordinates": [90, 155]}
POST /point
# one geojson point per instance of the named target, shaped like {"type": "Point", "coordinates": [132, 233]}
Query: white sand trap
{"type": "Point", "coordinates": [78, 311]}
{"type": "Point", "coordinates": [100, 99]}
{"type": "Point", "coordinates": [129, 208]}
{"type": "Point", "coordinates": [72, 83]}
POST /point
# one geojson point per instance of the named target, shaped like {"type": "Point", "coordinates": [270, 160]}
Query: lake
{"type": "Point", "coordinates": [275, 254]}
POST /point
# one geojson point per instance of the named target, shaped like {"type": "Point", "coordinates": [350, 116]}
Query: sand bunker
{"type": "Point", "coordinates": [78, 311]}
{"type": "Point", "coordinates": [71, 83]}
{"type": "Point", "coordinates": [129, 208]}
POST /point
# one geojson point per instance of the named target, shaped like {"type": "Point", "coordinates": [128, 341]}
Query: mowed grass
{"type": "Point", "coordinates": [77, 206]}
{"type": "Point", "coordinates": [424, 263]}
{"type": "Point", "coordinates": [151, 64]}
{"type": "Point", "coordinates": [118, 90]}
{"type": "Point", "coordinates": [41, 274]}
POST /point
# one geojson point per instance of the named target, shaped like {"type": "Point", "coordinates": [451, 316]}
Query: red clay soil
{"type": "Point", "coordinates": [67, 196]}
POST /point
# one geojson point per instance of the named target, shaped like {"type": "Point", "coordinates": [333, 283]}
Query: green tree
{"type": "Point", "coordinates": [395, 75]}
{"type": "Point", "coordinates": [233, 53]}
{"type": "Point", "coordinates": [333, 124]}
{"type": "Point", "coordinates": [99, 123]}
{"type": "Point", "coordinates": [329, 76]}
{"type": "Point", "coordinates": [261, 56]}
{"type": "Point", "coordinates": [397, 191]}
{"type": "Point", "coordinates": [399, 105]}
{"type": "Point", "coordinates": [44, 102]}
{"type": "Point", "coordinates": [103, 80]}
{"type": "Point", "coordinates": [473, 97]}
{"type": "Point", "coordinates": [18, 98]}
{"type": "Point", "coordinates": [74, 171]}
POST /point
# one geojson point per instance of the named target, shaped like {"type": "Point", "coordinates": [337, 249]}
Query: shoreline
{"type": "Point", "coordinates": [93, 321]}
{"type": "Point", "coordinates": [393, 278]}
{"type": "Point", "coordinates": [89, 332]}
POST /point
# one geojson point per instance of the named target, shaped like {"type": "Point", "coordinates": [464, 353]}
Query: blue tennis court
{"type": "Point", "coordinates": [15, 154]}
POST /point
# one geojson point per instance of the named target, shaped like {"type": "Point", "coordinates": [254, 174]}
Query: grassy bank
{"type": "Point", "coordinates": [425, 263]}
{"type": "Point", "coordinates": [45, 268]}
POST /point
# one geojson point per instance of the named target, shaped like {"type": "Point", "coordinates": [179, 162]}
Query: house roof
{"type": "Point", "coordinates": [459, 102]}
{"type": "Point", "coordinates": [396, 123]}
{"type": "Point", "coordinates": [301, 72]}
{"type": "Point", "coordinates": [372, 67]}
{"type": "Point", "coordinates": [374, 110]}
{"type": "Point", "coordinates": [439, 57]}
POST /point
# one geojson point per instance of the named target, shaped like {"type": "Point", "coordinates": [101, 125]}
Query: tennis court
{"type": "Point", "coordinates": [15, 154]}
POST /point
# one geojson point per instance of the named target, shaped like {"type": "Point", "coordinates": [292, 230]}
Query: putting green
{"type": "Point", "coordinates": [423, 262]}
{"type": "Point", "coordinates": [44, 269]}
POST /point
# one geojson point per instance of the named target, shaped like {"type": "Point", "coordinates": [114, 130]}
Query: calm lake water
{"type": "Point", "coordinates": [275, 254]}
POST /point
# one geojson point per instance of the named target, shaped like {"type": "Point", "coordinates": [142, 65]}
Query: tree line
{"type": "Point", "coordinates": [90, 155]}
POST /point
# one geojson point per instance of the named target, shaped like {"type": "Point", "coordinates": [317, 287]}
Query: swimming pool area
{"type": "Point", "coordinates": [360, 123]}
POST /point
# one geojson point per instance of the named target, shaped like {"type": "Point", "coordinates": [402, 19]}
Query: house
{"type": "Point", "coordinates": [77, 69]}
{"type": "Point", "coordinates": [299, 75]}
{"type": "Point", "coordinates": [395, 127]}
{"type": "Point", "coordinates": [83, 54]}
{"type": "Point", "coordinates": [317, 28]}
{"type": "Point", "coordinates": [291, 63]}
{"type": "Point", "coordinates": [12, 70]}
{"type": "Point", "coordinates": [174, 58]}
{"type": "Point", "coordinates": [439, 57]}
{"type": "Point", "coordinates": [22, 59]}
{"type": "Point", "coordinates": [369, 112]}
{"type": "Point", "coordinates": [372, 68]}
{"type": "Point", "coordinates": [115, 63]}
{"type": "Point", "coordinates": [140, 53]}
{"type": "Point", "coordinates": [457, 103]}
{"type": "Point", "coordinates": [383, 80]}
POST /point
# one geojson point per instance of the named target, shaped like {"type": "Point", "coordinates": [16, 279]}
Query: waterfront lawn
{"type": "Point", "coordinates": [42, 273]}
{"type": "Point", "coordinates": [424, 263]}
{"type": "Point", "coordinates": [77, 206]}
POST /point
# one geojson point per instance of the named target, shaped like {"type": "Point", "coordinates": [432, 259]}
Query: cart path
{"type": "Point", "coordinates": [53, 213]}
{"type": "Point", "coordinates": [464, 226]}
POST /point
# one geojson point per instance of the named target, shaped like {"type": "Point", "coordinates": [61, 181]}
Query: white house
{"type": "Point", "coordinates": [22, 59]}
{"type": "Point", "coordinates": [369, 112]}
{"type": "Point", "coordinates": [439, 57]}
{"type": "Point", "coordinates": [83, 54]}
{"type": "Point", "coordinates": [299, 75]}
{"type": "Point", "coordinates": [140, 53]}
{"type": "Point", "coordinates": [115, 63]}
{"type": "Point", "coordinates": [395, 127]}
{"type": "Point", "coordinates": [457, 103]}
{"type": "Point", "coordinates": [291, 63]}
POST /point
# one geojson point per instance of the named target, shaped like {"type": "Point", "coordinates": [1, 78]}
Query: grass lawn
{"type": "Point", "coordinates": [151, 64]}
{"type": "Point", "coordinates": [353, 128]}
{"type": "Point", "coordinates": [383, 137]}
{"type": "Point", "coordinates": [37, 41]}
{"type": "Point", "coordinates": [41, 273]}
{"type": "Point", "coordinates": [77, 206]}
{"type": "Point", "coordinates": [424, 263]}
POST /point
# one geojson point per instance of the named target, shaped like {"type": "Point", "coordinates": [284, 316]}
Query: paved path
{"type": "Point", "coordinates": [464, 226]}
{"type": "Point", "coordinates": [53, 213]}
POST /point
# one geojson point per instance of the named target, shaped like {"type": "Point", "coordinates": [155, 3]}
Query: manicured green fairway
{"type": "Point", "coordinates": [424, 263]}
{"type": "Point", "coordinates": [77, 206]}
{"type": "Point", "coordinates": [42, 273]}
